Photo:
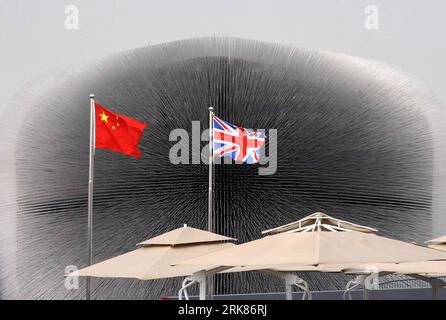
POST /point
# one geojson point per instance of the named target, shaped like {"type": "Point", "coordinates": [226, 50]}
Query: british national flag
{"type": "Point", "coordinates": [236, 142]}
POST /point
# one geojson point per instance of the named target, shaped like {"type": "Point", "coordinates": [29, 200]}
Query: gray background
{"type": "Point", "coordinates": [33, 37]}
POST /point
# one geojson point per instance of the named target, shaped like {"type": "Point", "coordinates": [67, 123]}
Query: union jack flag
{"type": "Point", "coordinates": [236, 142]}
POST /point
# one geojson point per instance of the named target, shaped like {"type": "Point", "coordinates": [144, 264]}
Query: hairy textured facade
{"type": "Point", "coordinates": [356, 139]}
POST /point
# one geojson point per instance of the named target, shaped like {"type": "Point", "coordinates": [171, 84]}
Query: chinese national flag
{"type": "Point", "coordinates": [117, 132]}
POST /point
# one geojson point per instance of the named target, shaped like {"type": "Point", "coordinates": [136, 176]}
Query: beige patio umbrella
{"type": "Point", "coordinates": [155, 258]}
{"type": "Point", "coordinates": [318, 221]}
{"type": "Point", "coordinates": [307, 248]}
{"type": "Point", "coordinates": [438, 243]}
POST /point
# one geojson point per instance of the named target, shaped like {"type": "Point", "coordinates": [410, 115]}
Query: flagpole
{"type": "Point", "coordinates": [90, 191]}
{"type": "Point", "coordinates": [210, 213]}
{"type": "Point", "coordinates": [211, 138]}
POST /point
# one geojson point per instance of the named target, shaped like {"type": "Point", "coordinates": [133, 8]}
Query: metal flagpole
{"type": "Point", "coordinates": [211, 138]}
{"type": "Point", "coordinates": [210, 285]}
{"type": "Point", "coordinates": [90, 190]}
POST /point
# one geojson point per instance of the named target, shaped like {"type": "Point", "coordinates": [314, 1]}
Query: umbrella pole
{"type": "Point", "coordinates": [288, 291]}
{"type": "Point", "coordinates": [210, 279]}
{"type": "Point", "coordinates": [202, 289]}
{"type": "Point", "coordinates": [434, 291]}
{"type": "Point", "coordinates": [365, 294]}
{"type": "Point", "coordinates": [365, 291]}
{"type": "Point", "coordinates": [200, 277]}
{"type": "Point", "coordinates": [434, 282]}
{"type": "Point", "coordinates": [90, 192]}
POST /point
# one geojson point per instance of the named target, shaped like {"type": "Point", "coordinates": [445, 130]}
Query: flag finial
{"type": "Point", "coordinates": [91, 95]}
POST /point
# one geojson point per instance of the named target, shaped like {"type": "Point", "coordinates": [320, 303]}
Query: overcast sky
{"type": "Point", "coordinates": [34, 39]}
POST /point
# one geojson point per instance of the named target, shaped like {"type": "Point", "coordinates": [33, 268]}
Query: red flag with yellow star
{"type": "Point", "coordinates": [117, 132]}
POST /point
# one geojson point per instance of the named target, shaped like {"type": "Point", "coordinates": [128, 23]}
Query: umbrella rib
{"type": "Point", "coordinates": [156, 261]}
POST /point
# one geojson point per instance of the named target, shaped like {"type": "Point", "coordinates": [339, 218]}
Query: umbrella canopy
{"type": "Point", "coordinates": [438, 240]}
{"type": "Point", "coordinates": [154, 260]}
{"type": "Point", "coordinates": [321, 222]}
{"type": "Point", "coordinates": [185, 235]}
{"type": "Point", "coordinates": [315, 222]}
{"type": "Point", "coordinates": [441, 246]}
{"type": "Point", "coordinates": [438, 243]}
{"type": "Point", "coordinates": [315, 248]}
